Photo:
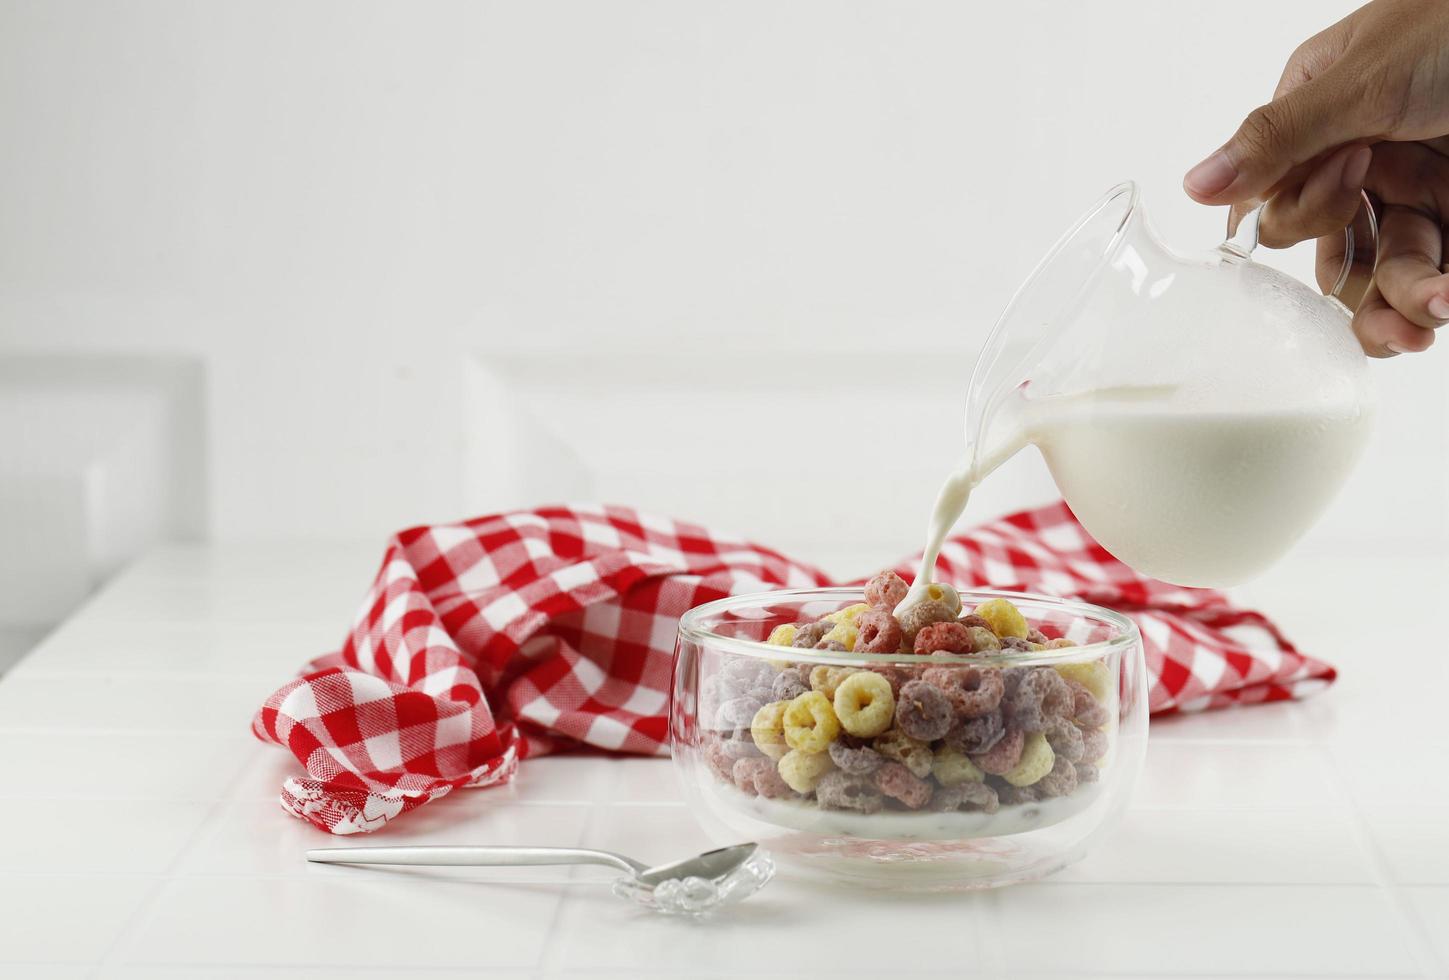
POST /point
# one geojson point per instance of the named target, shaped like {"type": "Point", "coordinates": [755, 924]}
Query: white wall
{"type": "Point", "coordinates": [349, 213]}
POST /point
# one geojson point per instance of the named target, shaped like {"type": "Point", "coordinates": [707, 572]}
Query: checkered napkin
{"type": "Point", "coordinates": [529, 632]}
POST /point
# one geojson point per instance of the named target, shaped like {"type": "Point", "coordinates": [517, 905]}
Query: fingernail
{"type": "Point", "coordinates": [1355, 168]}
{"type": "Point", "coordinates": [1395, 348]}
{"type": "Point", "coordinates": [1211, 176]}
{"type": "Point", "coordinates": [1439, 308]}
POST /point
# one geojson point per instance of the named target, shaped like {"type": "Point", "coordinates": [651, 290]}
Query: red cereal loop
{"type": "Point", "coordinates": [877, 632]}
{"type": "Point", "coordinates": [771, 785]}
{"type": "Point", "coordinates": [1087, 710]}
{"type": "Point", "coordinates": [720, 762]}
{"type": "Point", "coordinates": [893, 675]}
{"type": "Point", "coordinates": [899, 783]}
{"type": "Point", "coordinates": [1094, 744]}
{"type": "Point", "coordinates": [949, 637]}
{"type": "Point", "coordinates": [886, 589]}
{"type": "Point", "coordinates": [923, 614]}
{"type": "Point", "coordinates": [981, 692]}
{"type": "Point", "coordinates": [971, 619]}
{"type": "Point", "coordinates": [745, 771]}
{"type": "Point", "coordinates": [965, 796]}
{"type": "Point", "coordinates": [1001, 758]}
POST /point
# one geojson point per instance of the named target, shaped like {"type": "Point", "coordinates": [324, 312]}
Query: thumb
{"type": "Point", "coordinates": [1292, 129]}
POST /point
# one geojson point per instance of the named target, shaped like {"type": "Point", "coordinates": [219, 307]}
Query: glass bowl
{"type": "Point", "coordinates": [961, 838]}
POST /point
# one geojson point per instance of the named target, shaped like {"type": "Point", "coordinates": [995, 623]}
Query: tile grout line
{"type": "Point", "coordinates": [169, 873]}
{"type": "Point", "coordinates": [547, 962]}
{"type": "Point", "coordinates": [1423, 948]}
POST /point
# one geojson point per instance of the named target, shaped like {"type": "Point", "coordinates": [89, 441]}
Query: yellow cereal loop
{"type": "Point", "coordinates": [1037, 759]}
{"type": "Point", "coordinates": [810, 723]}
{"type": "Point", "coordinates": [1091, 674]}
{"type": "Point", "coordinates": [768, 729]}
{"type": "Point", "coordinates": [864, 704]}
{"type": "Point", "coordinates": [826, 679]}
{"type": "Point", "coordinates": [782, 636]}
{"type": "Point", "coordinates": [802, 771]}
{"type": "Point", "coordinates": [912, 753]}
{"type": "Point", "coordinates": [843, 633]}
{"type": "Point", "coordinates": [847, 615]}
{"type": "Point", "coordinates": [951, 766]}
{"type": "Point", "coordinates": [1004, 618]}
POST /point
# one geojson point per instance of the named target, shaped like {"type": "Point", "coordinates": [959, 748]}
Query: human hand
{"type": "Point", "coordinates": [1363, 105]}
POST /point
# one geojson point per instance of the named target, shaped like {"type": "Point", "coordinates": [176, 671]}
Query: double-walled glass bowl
{"type": "Point", "coordinates": [723, 666]}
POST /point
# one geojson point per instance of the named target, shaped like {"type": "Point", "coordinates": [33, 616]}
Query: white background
{"type": "Point", "coordinates": [731, 262]}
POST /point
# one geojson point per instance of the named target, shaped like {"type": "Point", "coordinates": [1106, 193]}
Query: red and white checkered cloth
{"type": "Point", "coordinates": [517, 634]}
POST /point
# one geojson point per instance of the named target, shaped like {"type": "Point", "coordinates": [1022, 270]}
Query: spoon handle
{"type": "Point", "coordinates": [473, 856]}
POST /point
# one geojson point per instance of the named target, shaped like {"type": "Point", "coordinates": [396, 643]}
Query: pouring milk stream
{"type": "Point", "coordinates": [1196, 414]}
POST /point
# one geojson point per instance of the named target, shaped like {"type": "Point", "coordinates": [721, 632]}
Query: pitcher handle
{"type": "Point", "coordinates": [1245, 238]}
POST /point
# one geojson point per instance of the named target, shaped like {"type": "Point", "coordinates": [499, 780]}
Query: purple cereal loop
{"type": "Point", "coordinates": [1065, 738]}
{"type": "Point", "coordinates": [843, 791]}
{"type": "Point", "coordinates": [1061, 781]}
{"type": "Point", "coordinates": [977, 735]}
{"type": "Point", "coordinates": [855, 758]}
{"type": "Point", "coordinates": [808, 635]}
{"type": "Point", "coordinates": [739, 744]}
{"type": "Point", "coordinates": [788, 685]}
{"type": "Point", "coordinates": [747, 672]}
{"type": "Point", "coordinates": [965, 796]}
{"type": "Point", "coordinates": [1016, 795]}
{"type": "Point", "coordinates": [737, 713]}
{"type": "Point", "coordinates": [922, 711]}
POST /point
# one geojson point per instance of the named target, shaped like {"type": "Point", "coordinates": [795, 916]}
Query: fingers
{"type": "Point", "coordinates": [1316, 116]}
{"type": "Point", "coordinates": [1383, 331]}
{"type": "Point", "coordinates": [1322, 205]}
{"type": "Point", "coordinates": [1411, 251]}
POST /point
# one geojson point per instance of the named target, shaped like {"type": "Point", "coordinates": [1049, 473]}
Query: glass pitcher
{"type": "Point", "coordinates": [1197, 413]}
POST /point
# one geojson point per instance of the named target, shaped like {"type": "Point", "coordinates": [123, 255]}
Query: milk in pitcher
{"type": "Point", "coordinates": [1191, 497]}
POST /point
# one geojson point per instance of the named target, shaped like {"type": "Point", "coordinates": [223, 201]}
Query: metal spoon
{"type": "Point", "coordinates": [692, 886]}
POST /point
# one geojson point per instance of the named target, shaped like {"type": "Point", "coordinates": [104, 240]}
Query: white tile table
{"type": "Point", "coordinates": [140, 837]}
